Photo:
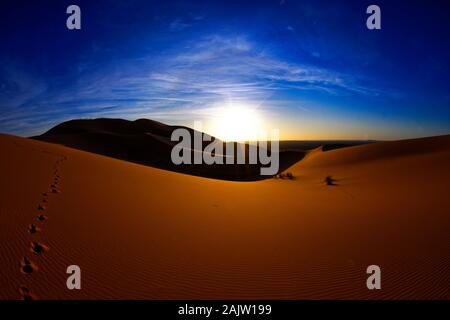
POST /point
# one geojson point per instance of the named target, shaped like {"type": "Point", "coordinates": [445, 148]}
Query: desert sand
{"type": "Point", "coordinates": [144, 233]}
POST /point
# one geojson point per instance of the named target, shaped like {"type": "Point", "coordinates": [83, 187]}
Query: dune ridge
{"type": "Point", "coordinates": [148, 142]}
{"type": "Point", "coordinates": [144, 233]}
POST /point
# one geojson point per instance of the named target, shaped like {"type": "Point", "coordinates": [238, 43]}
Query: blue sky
{"type": "Point", "coordinates": [310, 68]}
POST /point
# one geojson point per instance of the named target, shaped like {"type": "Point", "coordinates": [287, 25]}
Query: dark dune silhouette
{"type": "Point", "coordinates": [148, 142]}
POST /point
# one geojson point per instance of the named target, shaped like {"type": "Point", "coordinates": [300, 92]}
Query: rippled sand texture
{"type": "Point", "coordinates": [143, 233]}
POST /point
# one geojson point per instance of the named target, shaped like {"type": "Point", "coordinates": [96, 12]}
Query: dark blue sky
{"type": "Point", "coordinates": [310, 68]}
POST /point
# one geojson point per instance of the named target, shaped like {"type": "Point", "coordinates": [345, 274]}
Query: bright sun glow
{"type": "Point", "coordinates": [237, 122]}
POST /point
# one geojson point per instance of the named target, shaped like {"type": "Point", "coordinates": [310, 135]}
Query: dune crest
{"type": "Point", "coordinates": [143, 233]}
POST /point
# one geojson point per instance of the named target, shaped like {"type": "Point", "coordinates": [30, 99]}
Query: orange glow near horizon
{"type": "Point", "coordinates": [247, 121]}
{"type": "Point", "coordinates": [237, 122]}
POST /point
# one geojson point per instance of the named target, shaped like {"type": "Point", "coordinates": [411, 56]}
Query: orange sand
{"type": "Point", "coordinates": [143, 233]}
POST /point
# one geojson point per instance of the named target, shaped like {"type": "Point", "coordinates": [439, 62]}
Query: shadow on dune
{"type": "Point", "coordinates": [148, 142]}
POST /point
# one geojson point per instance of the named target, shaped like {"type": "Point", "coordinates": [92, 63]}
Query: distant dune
{"type": "Point", "coordinates": [143, 233]}
{"type": "Point", "coordinates": [148, 142]}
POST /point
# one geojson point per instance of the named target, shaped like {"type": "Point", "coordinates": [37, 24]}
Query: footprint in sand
{"type": "Point", "coordinates": [38, 248]}
{"type": "Point", "coordinates": [33, 229]}
{"type": "Point", "coordinates": [26, 294]}
{"type": "Point", "coordinates": [26, 266]}
{"type": "Point", "coordinates": [41, 217]}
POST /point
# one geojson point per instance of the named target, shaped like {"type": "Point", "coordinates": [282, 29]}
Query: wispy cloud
{"type": "Point", "coordinates": [178, 25]}
{"type": "Point", "coordinates": [188, 82]}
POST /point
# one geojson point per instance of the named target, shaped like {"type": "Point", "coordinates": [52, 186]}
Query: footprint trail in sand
{"type": "Point", "coordinates": [27, 267]}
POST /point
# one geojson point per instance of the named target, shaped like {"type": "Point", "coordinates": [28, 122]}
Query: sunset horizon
{"type": "Point", "coordinates": [224, 159]}
{"type": "Point", "coordinates": [295, 68]}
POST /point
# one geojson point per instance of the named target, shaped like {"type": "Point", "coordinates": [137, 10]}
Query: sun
{"type": "Point", "coordinates": [236, 122]}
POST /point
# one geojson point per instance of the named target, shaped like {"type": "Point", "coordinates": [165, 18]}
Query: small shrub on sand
{"type": "Point", "coordinates": [329, 181]}
{"type": "Point", "coordinates": [287, 175]}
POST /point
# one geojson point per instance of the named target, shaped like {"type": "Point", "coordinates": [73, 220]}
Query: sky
{"type": "Point", "coordinates": [311, 69]}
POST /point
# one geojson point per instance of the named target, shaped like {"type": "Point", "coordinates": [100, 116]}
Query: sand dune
{"type": "Point", "coordinates": [142, 233]}
{"type": "Point", "coordinates": [149, 142]}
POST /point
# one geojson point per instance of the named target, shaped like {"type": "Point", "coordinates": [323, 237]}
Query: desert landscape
{"type": "Point", "coordinates": [265, 151]}
{"type": "Point", "coordinates": [139, 232]}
